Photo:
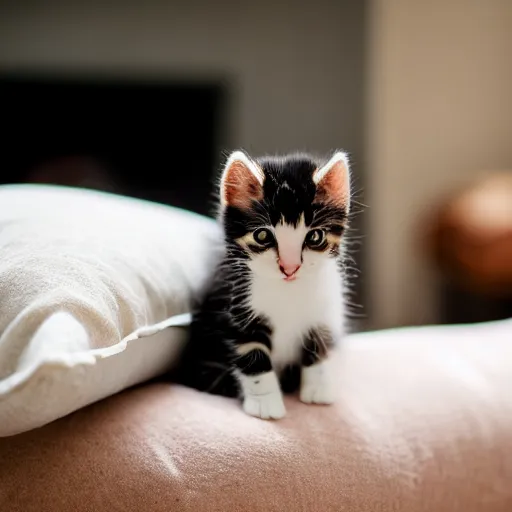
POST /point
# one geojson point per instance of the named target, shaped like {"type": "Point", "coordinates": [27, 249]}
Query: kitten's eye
{"type": "Point", "coordinates": [263, 236]}
{"type": "Point", "coordinates": [315, 237]}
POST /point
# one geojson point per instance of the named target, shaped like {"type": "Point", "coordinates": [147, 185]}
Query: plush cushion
{"type": "Point", "coordinates": [85, 280]}
{"type": "Point", "coordinates": [423, 422]}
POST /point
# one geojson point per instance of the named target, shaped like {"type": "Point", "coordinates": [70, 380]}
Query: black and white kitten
{"type": "Point", "coordinates": [276, 299]}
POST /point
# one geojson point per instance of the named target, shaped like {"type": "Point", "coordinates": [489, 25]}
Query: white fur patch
{"type": "Point", "coordinates": [294, 307]}
{"type": "Point", "coordinates": [262, 396]}
{"type": "Point", "coordinates": [316, 385]}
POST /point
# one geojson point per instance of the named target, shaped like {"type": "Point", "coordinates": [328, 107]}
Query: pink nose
{"type": "Point", "coordinates": [288, 270]}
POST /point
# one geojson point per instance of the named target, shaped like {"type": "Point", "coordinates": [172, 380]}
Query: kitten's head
{"type": "Point", "coordinates": [286, 214]}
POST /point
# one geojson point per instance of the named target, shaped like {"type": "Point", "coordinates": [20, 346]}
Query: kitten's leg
{"type": "Point", "coordinates": [262, 395]}
{"type": "Point", "coordinates": [317, 385]}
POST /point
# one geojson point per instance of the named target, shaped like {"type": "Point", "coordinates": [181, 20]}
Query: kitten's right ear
{"type": "Point", "coordinates": [241, 182]}
{"type": "Point", "coordinates": [333, 181]}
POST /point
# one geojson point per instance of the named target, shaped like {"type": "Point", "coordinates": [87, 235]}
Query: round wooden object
{"type": "Point", "coordinates": [472, 237]}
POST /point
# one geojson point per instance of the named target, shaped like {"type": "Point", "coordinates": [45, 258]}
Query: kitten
{"type": "Point", "coordinates": [275, 302]}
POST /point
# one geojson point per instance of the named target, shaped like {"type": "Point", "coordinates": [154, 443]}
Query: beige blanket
{"type": "Point", "coordinates": [423, 423]}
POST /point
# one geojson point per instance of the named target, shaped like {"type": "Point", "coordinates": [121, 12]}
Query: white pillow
{"type": "Point", "coordinates": [91, 285]}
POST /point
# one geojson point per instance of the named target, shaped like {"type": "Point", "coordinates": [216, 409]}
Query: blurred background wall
{"type": "Point", "coordinates": [294, 71]}
{"type": "Point", "coordinates": [419, 93]}
{"type": "Point", "coordinates": [290, 74]}
{"type": "Point", "coordinates": [439, 114]}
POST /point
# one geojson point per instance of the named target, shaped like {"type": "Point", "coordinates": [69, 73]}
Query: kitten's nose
{"type": "Point", "coordinates": [288, 270]}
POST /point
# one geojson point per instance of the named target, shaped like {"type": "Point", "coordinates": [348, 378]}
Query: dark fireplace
{"type": "Point", "coordinates": [155, 140]}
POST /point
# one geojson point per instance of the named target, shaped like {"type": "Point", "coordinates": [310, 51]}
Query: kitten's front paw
{"type": "Point", "coordinates": [316, 384]}
{"type": "Point", "coordinates": [317, 394]}
{"type": "Point", "coordinates": [268, 406]}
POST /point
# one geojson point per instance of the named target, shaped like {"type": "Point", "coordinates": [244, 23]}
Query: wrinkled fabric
{"type": "Point", "coordinates": [83, 275]}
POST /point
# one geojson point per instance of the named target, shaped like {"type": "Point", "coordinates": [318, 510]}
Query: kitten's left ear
{"type": "Point", "coordinates": [241, 182]}
{"type": "Point", "coordinates": [333, 181]}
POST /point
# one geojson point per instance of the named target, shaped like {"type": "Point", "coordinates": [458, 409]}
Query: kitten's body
{"type": "Point", "coordinates": [276, 299]}
{"type": "Point", "coordinates": [292, 308]}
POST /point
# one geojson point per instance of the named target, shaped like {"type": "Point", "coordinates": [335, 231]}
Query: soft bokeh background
{"type": "Point", "coordinates": [145, 98]}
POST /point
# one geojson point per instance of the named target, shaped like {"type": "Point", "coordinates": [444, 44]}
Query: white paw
{"type": "Point", "coordinates": [268, 406]}
{"type": "Point", "coordinates": [316, 384]}
{"type": "Point", "coordinates": [262, 396]}
{"type": "Point", "coordinates": [319, 393]}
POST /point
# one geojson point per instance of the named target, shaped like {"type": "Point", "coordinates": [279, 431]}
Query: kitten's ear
{"type": "Point", "coordinates": [241, 182]}
{"type": "Point", "coordinates": [333, 181]}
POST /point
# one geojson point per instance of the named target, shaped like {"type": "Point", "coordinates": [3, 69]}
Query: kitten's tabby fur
{"type": "Point", "coordinates": [275, 303]}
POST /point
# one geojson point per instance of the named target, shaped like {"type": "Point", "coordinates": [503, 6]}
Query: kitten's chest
{"type": "Point", "coordinates": [293, 308]}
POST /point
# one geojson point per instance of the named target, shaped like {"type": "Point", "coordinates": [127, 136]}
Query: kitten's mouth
{"type": "Point", "coordinates": [290, 278]}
